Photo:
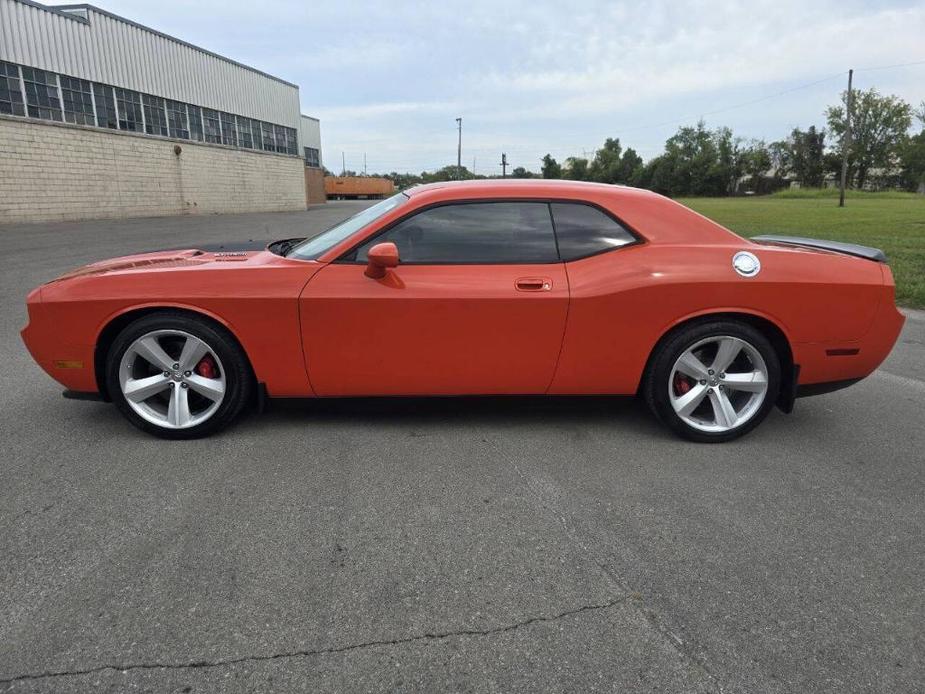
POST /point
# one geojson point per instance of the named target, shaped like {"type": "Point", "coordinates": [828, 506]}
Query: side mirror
{"type": "Point", "coordinates": [380, 257]}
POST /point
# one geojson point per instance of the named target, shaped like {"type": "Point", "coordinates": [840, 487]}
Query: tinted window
{"type": "Point", "coordinates": [494, 232]}
{"type": "Point", "coordinates": [582, 230]}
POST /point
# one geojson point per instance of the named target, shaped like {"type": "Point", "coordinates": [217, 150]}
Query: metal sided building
{"type": "Point", "coordinates": [102, 117]}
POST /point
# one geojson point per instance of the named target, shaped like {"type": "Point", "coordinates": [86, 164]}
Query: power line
{"type": "Point", "coordinates": [743, 104]}
{"type": "Point", "coordinates": [890, 67]}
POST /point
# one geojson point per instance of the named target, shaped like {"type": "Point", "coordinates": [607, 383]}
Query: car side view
{"type": "Point", "coordinates": [476, 288]}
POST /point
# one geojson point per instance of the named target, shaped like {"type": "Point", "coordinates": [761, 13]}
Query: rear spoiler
{"type": "Point", "coordinates": [857, 251]}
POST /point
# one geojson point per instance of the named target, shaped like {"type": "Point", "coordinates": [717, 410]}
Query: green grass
{"type": "Point", "coordinates": [893, 222]}
{"type": "Point", "coordinates": [832, 193]}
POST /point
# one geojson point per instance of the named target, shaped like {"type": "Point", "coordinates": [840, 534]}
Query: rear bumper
{"type": "Point", "coordinates": [828, 366]}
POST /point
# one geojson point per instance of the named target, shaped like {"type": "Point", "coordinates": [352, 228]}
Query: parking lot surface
{"type": "Point", "coordinates": [476, 545]}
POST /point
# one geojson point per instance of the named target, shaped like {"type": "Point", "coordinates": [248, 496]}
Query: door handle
{"type": "Point", "coordinates": [533, 284]}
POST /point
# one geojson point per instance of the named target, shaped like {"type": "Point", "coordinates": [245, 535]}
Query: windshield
{"type": "Point", "coordinates": [311, 248]}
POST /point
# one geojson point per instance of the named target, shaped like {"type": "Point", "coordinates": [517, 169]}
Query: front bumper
{"type": "Point", "coordinates": [69, 364]}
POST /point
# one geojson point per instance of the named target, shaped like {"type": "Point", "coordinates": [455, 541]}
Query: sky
{"type": "Point", "coordinates": [388, 80]}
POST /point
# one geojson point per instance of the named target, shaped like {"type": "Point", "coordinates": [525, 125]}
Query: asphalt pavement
{"type": "Point", "coordinates": [520, 544]}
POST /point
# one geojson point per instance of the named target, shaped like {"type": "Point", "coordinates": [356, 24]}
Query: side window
{"type": "Point", "coordinates": [474, 233]}
{"type": "Point", "coordinates": [582, 230]}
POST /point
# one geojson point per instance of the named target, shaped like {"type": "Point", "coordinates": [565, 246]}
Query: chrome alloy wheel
{"type": "Point", "coordinates": [718, 384]}
{"type": "Point", "coordinates": [172, 379]}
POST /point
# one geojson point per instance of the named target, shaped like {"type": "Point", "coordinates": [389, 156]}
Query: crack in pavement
{"type": "Point", "coordinates": [653, 619]}
{"type": "Point", "coordinates": [429, 636]}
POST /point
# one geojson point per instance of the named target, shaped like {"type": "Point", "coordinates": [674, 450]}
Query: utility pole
{"type": "Point", "coordinates": [343, 164]}
{"type": "Point", "coordinates": [846, 143]}
{"type": "Point", "coordinates": [364, 163]}
{"type": "Point", "coordinates": [459, 149]}
{"type": "Point", "coordinates": [503, 165]}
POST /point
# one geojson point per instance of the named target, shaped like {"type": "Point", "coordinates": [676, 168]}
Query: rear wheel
{"type": "Point", "coordinates": [176, 376]}
{"type": "Point", "coordinates": [713, 381]}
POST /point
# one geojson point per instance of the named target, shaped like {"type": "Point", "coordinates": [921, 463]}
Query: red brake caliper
{"type": "Point", "coordinates": [681, 384]}
{"type": "Point", "coordinates": [207, 368]}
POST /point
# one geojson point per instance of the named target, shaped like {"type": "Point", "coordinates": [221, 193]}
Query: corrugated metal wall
{"type": "Point", "coordinates": [106, 49]}
{"type": "Point", "coordinates": [311, 136]}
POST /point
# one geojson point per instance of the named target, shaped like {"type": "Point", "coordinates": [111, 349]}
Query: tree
{"type": "Point", "coordinates": [756, 161]}
{"type": "Point", "coordinates": [551, 168]}
{"type": "Point", "coordinates": [447, 173]}
{"type": "Point", "coordinates": [521, 172]}
{"type": "Point", "coordinates": [912, 158]}
{"type": "Point", "coordinates": [576, 169]}
{"type": "Point", "coordinates": [808, 156]}
{"type": "Point", "coordinates": [630, 167]}
{"type": "Point", "coordinates": [801, 155]}
{"type": "Point", "coordinates": [878, 130]}
{"type": "Point", "coordinates": [912, 162]}
{"type": "Point", "coordinates": [613, 164]}
{"type": "Point", "coordinates": [605, 167]}
{"type": "Point", "coordinates": [690, 164]}
{"type": "Point", "coordinates": [781, 155]}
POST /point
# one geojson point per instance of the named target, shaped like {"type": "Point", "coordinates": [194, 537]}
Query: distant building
{"type": "Point", "coordinates": [103, 117]}
{"type": "Point", "coordinates": [311, 153]}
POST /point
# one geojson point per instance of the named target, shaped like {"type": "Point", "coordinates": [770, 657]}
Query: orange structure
{"type": "Point", "coordinates": [357, 187]}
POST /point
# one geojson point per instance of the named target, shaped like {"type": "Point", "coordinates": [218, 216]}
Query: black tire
{"type": "Point", "coordinates": [239, 379]}
{"type": "Point", "coordinates": [655, 388]}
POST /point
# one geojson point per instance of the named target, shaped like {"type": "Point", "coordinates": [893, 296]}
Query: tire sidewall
{"type": "Point", "coordinates": [667, 353]}
{"type": "Point", "coordinates": [238, 378]}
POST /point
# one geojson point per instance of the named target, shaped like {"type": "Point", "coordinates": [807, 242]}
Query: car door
{"type": "Point", "coordinates": [477, 305]}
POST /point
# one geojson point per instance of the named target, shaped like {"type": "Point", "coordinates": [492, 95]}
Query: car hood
{"type": "Point", "coordinates": [202, 255]}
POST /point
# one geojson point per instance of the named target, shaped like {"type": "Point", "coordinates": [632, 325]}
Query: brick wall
{"type": "Point", "coordinates": [58, 172]}
{"type": "Point", "coordinates": [314, 186]}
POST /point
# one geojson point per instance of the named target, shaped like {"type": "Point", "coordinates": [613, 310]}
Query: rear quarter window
{"type": "Point", "coordinates": [582, 230]}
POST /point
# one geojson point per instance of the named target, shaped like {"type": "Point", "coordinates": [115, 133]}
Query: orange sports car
{"type": "Point", "coordinates": [476, 288]}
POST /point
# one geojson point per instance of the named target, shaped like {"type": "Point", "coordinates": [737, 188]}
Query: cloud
{"type": "Point", "coordinates": [378, 110]}
{"type": "Point", "coordinates": [529, 76]}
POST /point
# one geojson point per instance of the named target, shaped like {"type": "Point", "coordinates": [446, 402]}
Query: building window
{"type": "Point", "coordinates": [229, 131]}
{"type": "Point", "coordinates": [42, 93]}
{"type": "Point", "coordinates": [244, 132]}
{"type": "Point", "coordinates": [155, 115]}
{"type": "Point", "coordinates": [212, 126]}
{"type": "Point", "coordinates": [255, 134]}
{"type": "Point", "coordinates": [10, 93]}
{"type": "Point", "coordinates": [106, 116]}
{"type": "Point", "coordinates": [280, 138]}
{"type": "Point", "coordinates": [312, 157]}
{"type": "Point", "coordinates": [78, 103]}
{"type": "Point", "coordinates": [129, 104]}
{"type": "Point", "coordinates": [176, 119]}
{"type": "Point", "coordinates": [266, 137]}
{"type": "Point", "coordinates": [27, 91]}
{"type": "Point", "coordinates": [195, 122]}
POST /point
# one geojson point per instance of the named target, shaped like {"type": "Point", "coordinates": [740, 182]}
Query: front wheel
{"type": "Point", "coordinates": [176, 376]}
{"type": "Point", "coordinates": [713, 381]}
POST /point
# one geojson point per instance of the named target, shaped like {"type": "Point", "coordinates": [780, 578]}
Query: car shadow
{"type": "Point", "coordinates": [481, 409]}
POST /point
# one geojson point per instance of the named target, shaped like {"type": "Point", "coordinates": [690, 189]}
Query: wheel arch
{"type": "Point", "coordinates": [768, 327]}
{"type": "Point", "coordinates": [117, 322]}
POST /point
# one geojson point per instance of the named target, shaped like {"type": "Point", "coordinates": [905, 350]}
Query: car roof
{"type": "Point", "coordinates": [524, 186]}
{"type": "Point", "coordinates": [653, 216]}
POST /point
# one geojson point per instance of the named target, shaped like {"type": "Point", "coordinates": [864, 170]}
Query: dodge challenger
{"type": "Point", "coordinates": [475, 288]}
